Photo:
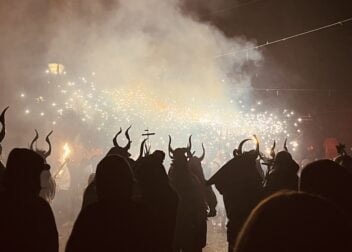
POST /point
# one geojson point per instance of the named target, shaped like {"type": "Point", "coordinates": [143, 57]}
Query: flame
{"type": "Point", "coordinates": [67, 152]}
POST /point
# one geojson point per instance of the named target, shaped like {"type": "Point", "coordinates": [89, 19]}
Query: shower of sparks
{"type": "Point", "coordinates": [218, 126]}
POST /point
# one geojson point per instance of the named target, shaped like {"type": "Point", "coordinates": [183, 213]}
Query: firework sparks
{"type": "Point", "coordinates": [219, 123]}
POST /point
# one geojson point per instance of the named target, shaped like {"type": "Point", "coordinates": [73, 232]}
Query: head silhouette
{"type": "Point", "coordinates": [22, 174]}
{"type": "Point", "coordinates": [329, 180]}
{"type": "Point", "coordinates": [152, 172]}
{"type": "Point", "coordinates": [291, 222]}
{"type": "Point", "coordinates": [114, 179]}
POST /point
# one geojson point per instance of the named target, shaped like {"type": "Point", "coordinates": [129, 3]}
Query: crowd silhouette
{"type": "Point", "coordinates": [135, 205]}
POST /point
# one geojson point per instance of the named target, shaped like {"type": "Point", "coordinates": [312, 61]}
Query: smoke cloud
{"type": "Point", "coordinates": [153, 47]}
{"type": "Point", "coordinates": [150, 44]}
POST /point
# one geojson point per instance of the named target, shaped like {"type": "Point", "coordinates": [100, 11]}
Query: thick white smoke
{"type": "Point", "coordinates": [152, 45]}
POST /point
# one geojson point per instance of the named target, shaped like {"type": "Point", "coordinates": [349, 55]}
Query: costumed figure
{"type": "Point", "coordinates": [283, 173]}
{"type": "Point", "coordinates": [190, 234]}
{"type": "Point", "coordinates": [240, 184]}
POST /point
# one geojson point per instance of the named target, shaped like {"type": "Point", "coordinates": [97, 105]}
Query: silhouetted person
{"type": "Point", "coordinates": [294, 222]}
{"type": "Point", "coordinates": [283, 175]}
{"type": "Point", "coordinates": [26, 220]}
{"type": "Point", "coordinates": [90, 193]}
{"type": "Point", "coordinates": [195, 165]}
{"type": "Point", "coordinates": [329, 180]}
{"type": "Point", "coordinates": [109, 224]}
{"type": "Point", "coordinates": [241, 186]}
{"type": "Point", "coordinates": [343, 158]}
{"type": "Point", "coordinates": [190, 233]}
{"type": "Point", "coordinates": [160, 202]}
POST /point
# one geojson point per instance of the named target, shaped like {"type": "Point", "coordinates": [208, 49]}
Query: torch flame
{"type": "Point", "coordinates": [67, 152]}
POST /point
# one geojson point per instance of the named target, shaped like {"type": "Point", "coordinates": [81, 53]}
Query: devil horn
{"type": "Point", "coordinates": [142, 149]}
{"type": "Point", "coordinates": [115, 138]}
{"type": "Point", "coordinates": [257, 146]}
{"type": "Point", "coordinates": [240, 146]}
{"type": "Point", "coordinates": [47, 154]}
{"type": "Point", "coordinates": [272, 151]}
{"type": "Point", "coordinates": [2, 121]}
{"type": "Point", "coordinates": [189, 147]}
{"type": "Point", "coordinates": [128, 145]}
{"type": "Point", "coordinates": [171, 151]}
{"type": "Point", "coordinates": [34, 140]}
{"type": "Point", "coordinates": [203, 155]}
{"type": "Point", "coordinates": [285, 145]}
{"type": "Point", "coordinates": [189, 143]}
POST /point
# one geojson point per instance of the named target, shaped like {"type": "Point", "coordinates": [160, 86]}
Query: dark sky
{"type": "Point", "coordinates": [321, 60]}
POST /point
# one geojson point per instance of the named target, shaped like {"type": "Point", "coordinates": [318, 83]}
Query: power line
{"type": "Point", "coordinates": [234, 7]}
{"type": "Point", "coordinates": [296, 89]}
{"type": "Point", "coordinates": [341, 22]}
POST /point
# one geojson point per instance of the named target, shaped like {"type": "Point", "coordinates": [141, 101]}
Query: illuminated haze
{"type": "Point", "coordinates": [153, 61]}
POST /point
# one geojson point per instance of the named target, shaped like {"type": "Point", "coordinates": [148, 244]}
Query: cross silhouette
{"type": "Point", "coordinates": [147, 134]}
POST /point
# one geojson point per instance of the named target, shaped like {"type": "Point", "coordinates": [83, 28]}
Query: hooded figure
{"type": "Point", "coordinates": [159, 202]}
{"type": "Point", "coordinates": [190, 234]}
{"type": "Point", "coordinates": [291, 222]}
{"type": "Point", "coordinates": [241, 186]}
{"type": "Point", "coordinates": [110, 223]}
{"type": "Point", "coordinates": [90, 193]}
{"type": "Point", "coordinates": [329, 180]}
{"type": "Point", "coordinates": [283, 175]}
{"type": "Point", "coordinates": [27, 221]}
{"type": "Point", "coordinates": [195, 165]}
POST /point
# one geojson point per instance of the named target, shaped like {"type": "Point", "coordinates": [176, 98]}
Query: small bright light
{"type": "Point", "coordinates": [294, 144]}
{"type": "Point", "coordinates": [54, 123]}
{"type": "Point", "coordinates": [42, 114]}
{"type": "Point", "coordinates": [23, 95]}
{"type": "Point", "coordinates": [300, 119]}
{"type": "Point", "coordinates": [53, 104]}
{"type": "Point", "coordinates": [27, 111]}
